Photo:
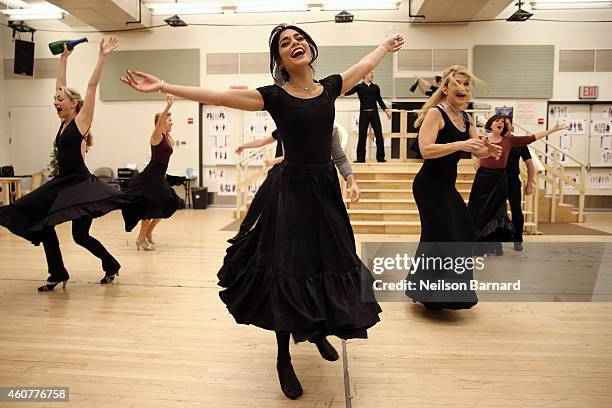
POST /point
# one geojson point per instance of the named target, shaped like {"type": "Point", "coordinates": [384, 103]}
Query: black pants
{"type": "Point", "coordinates": [80, 234]}
{"type": "Point", "coordinates": [514, 197]}
{"type": "Point", "coordinates": [365, 119]}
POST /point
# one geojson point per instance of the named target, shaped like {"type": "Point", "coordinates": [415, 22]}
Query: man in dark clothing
{"type": "Point", "coordinates": [369, 94]}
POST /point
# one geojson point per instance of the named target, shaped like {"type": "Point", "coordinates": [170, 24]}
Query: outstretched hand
{"type": "Point", "coordinates": [559, 126]}
{"type": "Point", "coordinates": [108, 44]}
{"type": "Point", "coordinates": [393, 44]}
{"type": "Point", "coordinates": [493, 149]}
{"type": "Point", "coordinates": [141, 81]}
{"type": "Point", "coordinates": [169, 100]}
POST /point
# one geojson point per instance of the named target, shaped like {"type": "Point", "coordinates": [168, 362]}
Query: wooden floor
{"type": "Point", "coordinates": [160, 337]}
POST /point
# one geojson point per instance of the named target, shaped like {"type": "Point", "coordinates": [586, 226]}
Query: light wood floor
{"type": "Point", "coordinates": [160, 337]}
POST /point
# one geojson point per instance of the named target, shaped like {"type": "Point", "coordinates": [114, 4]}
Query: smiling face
{"type": "Point", "coordinates": [294, 51]}
{"type": "Point", "coordinates": [65, 106]}
{"type": "Point", "coordinates": [497, 127]}
{"type": "Point", "coordinates": [457, 91]}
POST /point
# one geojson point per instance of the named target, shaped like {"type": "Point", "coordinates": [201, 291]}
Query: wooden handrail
{"type": "Point", "coordinates": [552, 146]}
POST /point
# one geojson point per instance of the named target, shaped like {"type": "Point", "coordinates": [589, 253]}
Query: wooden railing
{"type": "Point", "coordinates": [554, 174]}
{"type": "Point", "coordinates": [249, 170]}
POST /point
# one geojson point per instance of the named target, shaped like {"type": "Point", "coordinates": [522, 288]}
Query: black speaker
{"type": "Point", "coordinates": [24, 58]}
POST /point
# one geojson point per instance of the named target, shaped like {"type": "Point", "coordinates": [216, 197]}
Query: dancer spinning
{"type": "Point", "coordinates": [338, 157]}
{"type": "Point", "coordinates": [75, 194]}
{"type": "Point", "coordinates": [369, 94]}
{"type": "Point", "coordinates": [161, 200]}
{"type": "Point", "coordinates": [487, 203]}
{"type": "Point", "coordinates": [447, 230]}
{"type": "Point", "coordinates": [297, 271]}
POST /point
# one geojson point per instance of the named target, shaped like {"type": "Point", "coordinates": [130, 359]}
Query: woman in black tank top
{"type": "Point", "coordinates": [447, 230]}
{"type": "Point", "coordinates": [74, 194]}
{"type": "Point", "coordinates": [161, 199]}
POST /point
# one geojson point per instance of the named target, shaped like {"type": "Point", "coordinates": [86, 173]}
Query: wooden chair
{"type": "Point", "coordinates": [37, 179]}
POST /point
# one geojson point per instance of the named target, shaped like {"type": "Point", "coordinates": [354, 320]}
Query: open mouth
{"type": "Point", "coordinates": [58, 109]}
{"type": "Point", "coordinates": [460, 94]}
{"type": "Point", "coordinates": [298, 52]}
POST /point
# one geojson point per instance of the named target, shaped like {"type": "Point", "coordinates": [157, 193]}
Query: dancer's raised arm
{"type": "Point", "coordinates": [60, 81]}
{"type": "Point", "coordinates": [248, 100]}
{"type": "Point", "coordinates": [85, 115]}
{"type": "Point", "coordinates": [351, 76]}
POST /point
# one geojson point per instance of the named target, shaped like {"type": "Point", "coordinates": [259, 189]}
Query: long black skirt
{"type": "Point", "coordinates": [297, 270]}
{"type": "Point", "coordinates": [66, 197]}
{"type": "Point", "coordinates": [160, 199]}
{"type": "Point", "coordinates": [487, 206]}
{"type": "Point", "coordinates": [447, 237]}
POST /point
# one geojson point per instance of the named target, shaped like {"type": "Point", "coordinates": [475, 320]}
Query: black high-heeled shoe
{"type": "Point", "coordinates": [109, 277]}
{"type": "Point", "coordinates": [52, 282]}
{"type": "Point", "coordinates": [290, 385]}
{"type": "Point", "coordinates": [327, 351]}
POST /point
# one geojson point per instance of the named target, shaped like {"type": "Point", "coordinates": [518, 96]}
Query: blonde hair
{"type": "Point", "coordinates": [438, 97]}
{"type": "Point", "coordinates": [75, 95]}
{"type": "Point", "coordinates": [157, 115]}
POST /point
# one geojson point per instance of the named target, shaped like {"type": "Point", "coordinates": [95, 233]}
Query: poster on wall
{"type": "Point", "coordinates": [606, 143]}
{"type": "Point", "coordinates": [607, 114]}
{"type": "Point", "coordinates": [354, 121]}
{"type": "Point", "coordinates": [218, 122]}
{"type": "Point", "coordinates": [601, 128]}
{"type": "Point", "coordinates": [565, 142]}
{"type": "Point", "coordinates": [559, 112]}
{"type": "Point", "coordinates": [606, 157]}
{"type": "Point", "coordinates": [525, 114]}
{"type": "Point", "coordinates": [505, 111]}
{"type": "Point", "coordinates": [225, 188]}
{"type": "Point", "coordinates": [600, 181]}
{"type": "Point", "coordinates": [575, 126]}
{"type": "Point", "coordinates": [260, 126]}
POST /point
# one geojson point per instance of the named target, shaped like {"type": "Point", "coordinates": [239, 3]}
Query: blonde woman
{"type": "Point", "coordinates": [161, 200]}
{"type": "Point", "coordinates": [447, 230]}
{"type": "Point", "coordinates": [74, 194]}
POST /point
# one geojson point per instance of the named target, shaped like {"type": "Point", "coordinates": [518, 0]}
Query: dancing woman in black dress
{"type": "Point", "coordinates": [74, 194]}
{"type": "Point", "coordinates": [161, 199]}
{"type": "Point", "coordinates": [297, 271]}
{"type": "Point", "coordinates": [447, 230]}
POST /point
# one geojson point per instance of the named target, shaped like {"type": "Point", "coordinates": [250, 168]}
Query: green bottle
{"type": "Point", "coordinates": [57, 47]}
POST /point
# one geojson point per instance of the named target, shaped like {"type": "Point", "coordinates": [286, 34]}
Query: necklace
{"type": "Point", "coordinates": [299, 87]}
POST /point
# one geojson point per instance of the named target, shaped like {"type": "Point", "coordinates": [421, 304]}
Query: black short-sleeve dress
{"type": "Point", "coordinates": [297, 270]}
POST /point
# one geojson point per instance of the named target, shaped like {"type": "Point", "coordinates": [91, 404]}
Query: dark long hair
{"type": "Point", "coordinates": [493, 119]}
{"type": "Point", "coordinates": [281, 75]}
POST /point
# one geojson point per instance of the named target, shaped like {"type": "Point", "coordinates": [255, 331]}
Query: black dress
{"type": "Point", "coordinates": [447, 230]}
{"type": "Point", "coordinates": [74, 194]}
{"type": "Point", "coordinates": [297, 270]}
{"type": "Point", "coordinates": [161, 201]}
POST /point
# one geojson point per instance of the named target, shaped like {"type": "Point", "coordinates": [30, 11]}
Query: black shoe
{"type": "Point", "coordinates": [381, 161]}
{"type": "Point", "coordinates": [290, 385]}
{"type": "Point", "coordinates": [109, 277]}
{"type": "Point", "coordinates": [359, 161]}
{"type": "Point", "coordinates": [53, 281]}
{"type": "Point", "coordinates": [518, 246]}
{"type": "Point", "coordinates": [327, 351]}
{"type": "Point", "coordinates": [499, 251]}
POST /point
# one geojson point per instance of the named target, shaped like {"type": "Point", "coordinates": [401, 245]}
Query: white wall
{"type": "Point", "coordinates": [121, 129]}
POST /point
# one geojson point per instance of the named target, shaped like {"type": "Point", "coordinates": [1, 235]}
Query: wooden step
{"type": "Point", "coordinates": [398, 193]}
{"type": "Point", "coordinates": [386, 227]}
{"type": "Point", "coordinates": [401, 184]}
{"type": "Point", "coordinates": [384, 215]}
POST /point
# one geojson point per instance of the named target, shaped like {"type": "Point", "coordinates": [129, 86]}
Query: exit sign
{"type": "Point", "coordinates": [588, 92]}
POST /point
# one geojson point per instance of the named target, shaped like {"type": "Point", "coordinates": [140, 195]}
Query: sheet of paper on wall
{"type": "Point", "coordinates": [601, 128]}
{"type": "Point", "coordinates": [566, 142]}
{"type": "Point", "coordinates": [559, 112]}
{"type": "Point", "coordinates": [525, 113]}
{"type": "Point", "coordinates": [606, 142]}
{"type": "Point", "coordinates": [600, 181]}
{"type": "Point", "coordinates": [606, 157]}
{"type": "Point", "coordinates": [354, 121]}
{"type": "Point", "coordinates": [226, 188]}
{"type": "Point", "coordinates": [575, 126]}
{"type": "Point", "coordinates": [258, 125]}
